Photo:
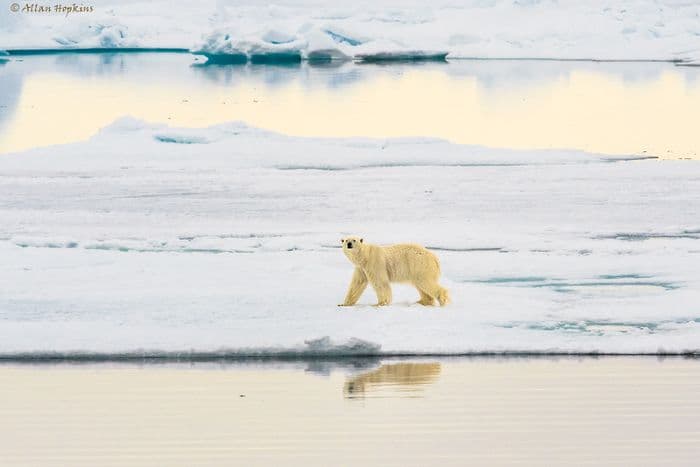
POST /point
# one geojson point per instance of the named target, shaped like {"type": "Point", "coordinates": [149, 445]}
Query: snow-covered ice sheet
{"type": "Point", "coordinates": [623, 29]}
{"type": "Point", "coordinates": [226, 240]}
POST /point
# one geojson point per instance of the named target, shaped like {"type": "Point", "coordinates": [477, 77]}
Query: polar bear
{"type": "Point", "coordinates": [382, 265]}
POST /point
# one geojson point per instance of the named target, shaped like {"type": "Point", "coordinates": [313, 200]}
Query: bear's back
{"type": "Point", "coordinates": [407, 262]}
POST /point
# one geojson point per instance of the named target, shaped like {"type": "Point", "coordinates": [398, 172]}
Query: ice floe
{"type": "Point", "coordinates": [222, 30]}
{"type": "Point", "coordinates": [153, 240]}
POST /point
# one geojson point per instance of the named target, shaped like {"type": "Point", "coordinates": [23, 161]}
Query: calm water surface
{"type": "Point", "coordinates": [614, 108]}
{"type": "Point", "coordinates": [479, 411]}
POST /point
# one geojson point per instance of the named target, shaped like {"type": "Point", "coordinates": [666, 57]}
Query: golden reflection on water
{"type": "Point", "coordinates": [589, 109]}
{"type": "Point", "coordinates": [479, 411]}
{"type": "Point", "coordinates": [408, 376]}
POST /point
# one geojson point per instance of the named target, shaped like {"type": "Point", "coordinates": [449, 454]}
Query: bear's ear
{"type": "Point", "coordinates": [342, 240]}
{"type": "Point", "coordinates": [361, 240]}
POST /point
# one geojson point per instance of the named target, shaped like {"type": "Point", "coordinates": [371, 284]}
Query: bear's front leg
{"type": "Point", "coordinates": [357, 286]}
{"type": "Point", "coordinates": [382, 288]}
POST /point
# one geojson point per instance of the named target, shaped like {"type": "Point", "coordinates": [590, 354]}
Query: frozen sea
{"type": "Point", "coordinates": [150, 205]}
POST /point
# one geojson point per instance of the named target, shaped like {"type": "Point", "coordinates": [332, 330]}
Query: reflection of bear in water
{"type": "Point", "coordinates": [382, 265]}
{"type": "Point", "coordinates": [401, 374]}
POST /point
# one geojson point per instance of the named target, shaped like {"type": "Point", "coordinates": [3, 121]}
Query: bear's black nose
{"type": "Point", "coordinates": [349, 244]}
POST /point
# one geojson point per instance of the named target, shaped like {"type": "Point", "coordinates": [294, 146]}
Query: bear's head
{"type": "Point", "coordinates": [352, 247]}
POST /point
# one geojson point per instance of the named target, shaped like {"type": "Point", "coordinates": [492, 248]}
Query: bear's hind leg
{"type": "Point", "coordinates": [425, 299]}
{"type": "Point", "coordinates": [443, 295]}
{"type": "Point", "coordinates": [434, 290]}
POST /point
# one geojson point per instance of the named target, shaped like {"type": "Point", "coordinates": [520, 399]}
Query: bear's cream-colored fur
{"type": "Point", "coordinates": [382, 265]}
{"type": "Point", "coordinates": [403, 374]}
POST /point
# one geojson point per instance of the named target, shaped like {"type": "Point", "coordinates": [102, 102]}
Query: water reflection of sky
{"type": "Point", "coordinates": [616, 108]}
{"type": "Point", "coordinates": [469, 411]}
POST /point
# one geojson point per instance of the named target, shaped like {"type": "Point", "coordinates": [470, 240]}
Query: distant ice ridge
{"type": "Point", "coordinates": [310, 43]}
{"type": "Point", "coordinates": [224, 241]}
{"type": "Point", "coordinates": [227, 31]}
{"type": "Point", "coordinates": [261, 148]}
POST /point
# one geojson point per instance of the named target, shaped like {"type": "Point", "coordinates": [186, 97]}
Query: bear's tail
{"type": "Point", "coordinates": [443, 296]}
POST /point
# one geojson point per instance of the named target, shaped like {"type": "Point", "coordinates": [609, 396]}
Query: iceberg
{"type": "Point", "coordinates": [271, 47]}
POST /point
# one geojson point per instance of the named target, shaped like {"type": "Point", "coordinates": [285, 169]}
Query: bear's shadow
{"type": "Point", "coordinates": [369, 306]}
